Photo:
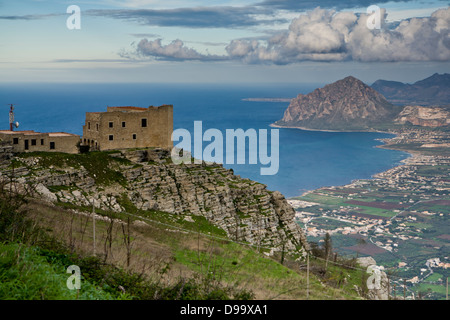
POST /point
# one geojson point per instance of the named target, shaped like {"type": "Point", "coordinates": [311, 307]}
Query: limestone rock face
{"type": "Point", "coordinates": [378, 282]}
{"type": "Point", "coordinates": [44, 192]}
{"type": "Point", "coordinates": [243, 208]}
{"type": "Point", "coordinates": [424, 116]}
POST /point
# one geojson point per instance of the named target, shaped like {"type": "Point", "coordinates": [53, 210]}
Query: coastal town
{"type": "Point", "coordinates": [399, 217]}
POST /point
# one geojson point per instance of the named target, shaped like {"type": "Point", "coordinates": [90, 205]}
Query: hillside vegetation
{"type": "Point", "coordinates": [147, 254]}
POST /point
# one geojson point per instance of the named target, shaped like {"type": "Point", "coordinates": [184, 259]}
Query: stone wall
{"type": "Point", "coordinates": [121, 127]}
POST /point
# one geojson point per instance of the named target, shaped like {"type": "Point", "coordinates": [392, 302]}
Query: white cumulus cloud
{"type": "Point", "coordinates": [176, 50]}
{"type": "Point", "coordinates": [325, 35]}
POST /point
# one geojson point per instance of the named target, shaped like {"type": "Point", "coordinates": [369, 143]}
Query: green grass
{"type": "Point", "coordinates": [415, 146]}
{"type": "Point", "coordinates": [26, 275]}
{"type": "Point", "coordinates": [419, 225]}
{"type": "Point", "coordinates": [437, 290]}
{"type": "Point", "coordinates": [432, 171]}
{"type": "Point", "coordinates": [434, 277]}
{"type": "Point", "coordinates": [200, 224]}
{"type": "Point", "coordinates": [100, 165]}
{"type": "Point", "coordinates": [238, 264]}
{"type": "Point", "coordinates": [374, 211]}
{"type": "Point", "coordinates": [327, 200]}
{"type": "Point", "coordinates": [233, 260]}
{"type": "Point", "coordinates": [334, 201]}
{"type": "Point", "coordinates": [330, 223]}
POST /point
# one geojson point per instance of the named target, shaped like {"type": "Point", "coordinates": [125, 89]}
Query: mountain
{"type": "Point", "coordinates": [347, 104]}
{"type": "Point", "coordinates": [434, 90]}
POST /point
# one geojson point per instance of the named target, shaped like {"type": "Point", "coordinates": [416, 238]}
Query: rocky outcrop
{"type": "Point", "coordinates": [347, 104]}
{"type": "Point", "coordinates": [424, 116]}
{"type": "Point", "coordinates": [243, 208]}
{"type": "Point", "coordinates": [6, 151]}
{"type": "Point", "coordinates": [377, 282]}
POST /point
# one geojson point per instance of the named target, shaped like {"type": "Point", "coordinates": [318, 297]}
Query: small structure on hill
{"type": "Point", "coordinates": [129, 127]}
{"type": "Point", "coordinates": [29, 140]}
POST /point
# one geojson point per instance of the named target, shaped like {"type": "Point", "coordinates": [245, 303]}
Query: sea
{"type": "Point", "coordinates": [307, 159]}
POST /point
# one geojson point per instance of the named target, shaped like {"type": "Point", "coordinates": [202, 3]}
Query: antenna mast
{"type": "Point", "coordinates": [11, 117]}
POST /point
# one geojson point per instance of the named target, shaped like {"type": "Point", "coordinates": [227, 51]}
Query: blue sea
{"type": "Point", "coordinates": [307, 159]}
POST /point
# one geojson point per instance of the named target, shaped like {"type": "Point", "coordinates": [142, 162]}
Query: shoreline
{"type": "Point", "coordinates": [273, 125]}
{"type": "Point", "coordinates": [384, 145]}
{"type": "Point", "coordinates": [403, 162]}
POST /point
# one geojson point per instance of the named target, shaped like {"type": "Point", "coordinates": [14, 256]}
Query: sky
{"type": "Point", "coordinates": [223, 41]}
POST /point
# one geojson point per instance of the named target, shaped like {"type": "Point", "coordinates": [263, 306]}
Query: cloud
{"type": "Point", "coordinates": [145, 35]}
{"type": "Point", "coordinates": [324, 35]}
{"type": "Point", "coordinates": [330, 4]}
{"type": "Point", "coordinates": [176, 51]}
{"type": "Point", "coordinates": [89, 60]}
{"type": "Point", "coordinates": [31, 16]}
{"type": "Point", "coordinates": [197, 17]}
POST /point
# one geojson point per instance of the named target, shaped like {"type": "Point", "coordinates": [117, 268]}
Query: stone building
{"type": "Point", "coordinates": [129, 127]}
{"type": "Point", "coordinates": [29, 141]}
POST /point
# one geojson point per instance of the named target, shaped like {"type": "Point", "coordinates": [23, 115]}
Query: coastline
{"type": "Point", "coordinates": [412, 155]}
{"type": "Point", "coordinates": [273, 125]}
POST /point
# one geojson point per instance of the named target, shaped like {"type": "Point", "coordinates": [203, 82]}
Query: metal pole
{"type": "Point", "coordinates": [93, 220]}
{"type": "Point", "coordinates": [11, 118]}
{"type": "Point", "coordinates": [307, 275]}
{"type": "Point", "coordinates": [404, 289]}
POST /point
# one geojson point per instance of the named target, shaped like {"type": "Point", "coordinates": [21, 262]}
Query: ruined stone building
{"type": "Point", "coordinates": [29, 141]}
{"type": "Point", "coordinates": [129, 127]}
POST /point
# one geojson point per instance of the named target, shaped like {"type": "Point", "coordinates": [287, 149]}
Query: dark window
{"type": "Point", "coordinates": [111, 124]}
{"type": "Point", "coordinates": [16, 140]}
{"type": "Point", "coordinates": [33, 142]}
{"type": "Point", "coordinates": [96, 126]}
{"type": "Point", "coordinates": [52, 146]}
{"type": "Point", "coordinates": [134, 136]}
{"type": "Point", "coordinates": [123, 124]}
{"type": "Point", "coordinates": [26, 144]}
{"type": "Point", "coordinates": [144, 123]}
{"type": "Point", "coordinates": [111, 137]}
{"type": "Point", "coordinates": [89, 126]}
{"type": "Point", "coordinates": [42, 142]}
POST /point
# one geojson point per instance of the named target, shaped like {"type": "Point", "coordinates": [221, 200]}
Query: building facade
{"type": "Point", "coordinates": [29, 141]}
{"type": "Point", "coordinates": [129, 127]}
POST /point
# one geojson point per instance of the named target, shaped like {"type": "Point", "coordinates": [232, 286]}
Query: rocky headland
{"type": "Point", "coordinates": [347, 104]}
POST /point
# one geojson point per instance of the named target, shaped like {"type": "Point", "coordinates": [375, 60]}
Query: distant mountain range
{"type": "Point", "coordinates": [434, 90]}
{"type": "Point", "coordinates": [350, 105]}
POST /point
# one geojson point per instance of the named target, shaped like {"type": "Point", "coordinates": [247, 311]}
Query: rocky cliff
{"type": "Point", "coordinates": [244, 209]}
{"type": "Point", "coordinates": [424, 116]}
{"type": "Point", "coordinates": [347, 104]}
